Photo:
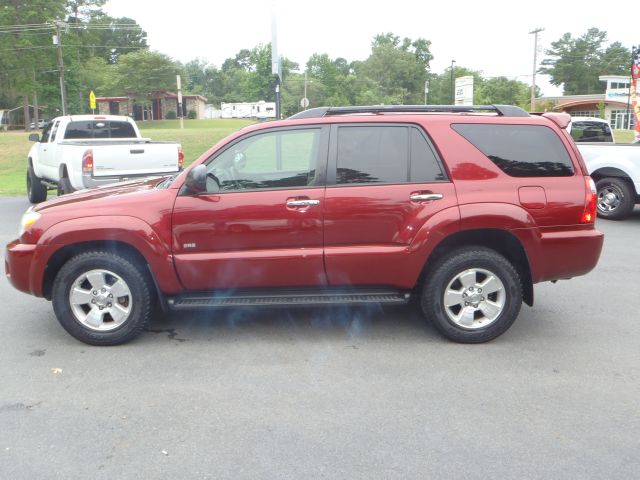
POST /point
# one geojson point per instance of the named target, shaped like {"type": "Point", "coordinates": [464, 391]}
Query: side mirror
{"type": "Point", "coordinates": [196, 181]}
{"type": "Point", "coordinates": [34, 137]}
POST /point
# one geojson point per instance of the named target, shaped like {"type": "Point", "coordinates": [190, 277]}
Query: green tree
{"type": "Point", "coordinates": [502, 91]}
{"type": "Point", "coordinates": [577, 63]}
{"type": "Point", "coordinates": [142, 73]}
{"type": "Point", "coordinates": [398, 68]}
{"type": "Point", "coordinates": [27, 55]}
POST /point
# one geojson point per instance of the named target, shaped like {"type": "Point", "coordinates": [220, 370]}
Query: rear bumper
{"type": "Point", "coordinates": [566, 254]}
{"type": "Point", "coordinates": [19, 258]}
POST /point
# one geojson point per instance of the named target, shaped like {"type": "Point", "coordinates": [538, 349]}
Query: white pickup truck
{"type": "Point", "coordinates": [84, 151]}
{"type": "Point", "coordinates": [614, 167]}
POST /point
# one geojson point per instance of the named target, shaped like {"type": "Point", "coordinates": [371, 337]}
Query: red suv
{"type": "Point", "coordinates": [461, 207]}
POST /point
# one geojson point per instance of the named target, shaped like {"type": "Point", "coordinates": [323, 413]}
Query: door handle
{"type": "Point", "coordinates": [424, 197]}
{"type": "Point", "coordinates": [302, 203]}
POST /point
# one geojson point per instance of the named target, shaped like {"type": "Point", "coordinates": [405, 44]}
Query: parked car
{"type": "Point", "coordinates": [84, 151]}
{"type": "Point", "coordinates": [614, 168]}
{"type": "Point", "coordinates": [463, 208]}
{"type": "Point", "coordinates": [41, 124]}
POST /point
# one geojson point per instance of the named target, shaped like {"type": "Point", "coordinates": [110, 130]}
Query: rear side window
{"type": "Point", "coordinates": [89, 129]}
{"type": "Point", "coordinates": [385, 154]}
{"type": "Point", "coordinates": [588, 131]}
{"type": "Point", "coordinates": [520, 150]}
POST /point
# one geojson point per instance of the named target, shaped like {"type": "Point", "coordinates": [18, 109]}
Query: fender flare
{"type": "Point", "coordinates": [99, 232]}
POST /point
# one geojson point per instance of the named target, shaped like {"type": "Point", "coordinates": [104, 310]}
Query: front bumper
{"type": "Point", "coordinates": [18, 260]}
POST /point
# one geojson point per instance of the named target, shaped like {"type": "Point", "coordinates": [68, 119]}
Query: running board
{"type": "Point", "coordinates": [287, 298]}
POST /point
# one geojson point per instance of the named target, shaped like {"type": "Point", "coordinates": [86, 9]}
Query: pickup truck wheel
{"type": "Point", "coordinates": [64, 186]}
{"type": "Point", "coordinates": [472, 295]}
{"type": "Point", "coordinates": [615, 198]}
{"type": "Point", "coordinates": [102, 298]}
{"type": "Point", "coordinates": [36, 191]}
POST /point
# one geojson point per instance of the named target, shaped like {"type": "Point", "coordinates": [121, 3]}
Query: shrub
{"type": "Point", "coordinates": [192, 115]}
{"type": "Point", "coordinates": [171, 115]}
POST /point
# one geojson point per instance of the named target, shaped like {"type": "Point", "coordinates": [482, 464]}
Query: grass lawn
{"type": "Point", "coordinates": [196, 137]}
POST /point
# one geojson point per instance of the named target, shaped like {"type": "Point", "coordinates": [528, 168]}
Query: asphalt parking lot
{"type": "Point", "coordinates": [332, 393]}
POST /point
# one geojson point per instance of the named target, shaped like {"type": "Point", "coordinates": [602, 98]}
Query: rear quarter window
{"type": "Point", "coordinates": [520, 150]}
{"type": "Point", "coordinates": [589, 131]}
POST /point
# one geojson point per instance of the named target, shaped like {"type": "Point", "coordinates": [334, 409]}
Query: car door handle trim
{"type": "Point", "coordinates": [302, 203]}
{"type": "Point", "coordinates": [423, 197]}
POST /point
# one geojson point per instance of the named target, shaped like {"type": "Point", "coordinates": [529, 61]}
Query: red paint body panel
{"type": "Point", "coordinates": [249, 239]}
{"type": "Point", "coordinates": [17, 260]}
{"type": "Point", "coordinates": [377, 225]}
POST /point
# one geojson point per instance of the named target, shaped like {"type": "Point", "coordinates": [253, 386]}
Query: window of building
{"type": "Point", "coordinates": [585, 113]}
{"type": "Point", "coordinates": [520, 150]}
{"type": "Point", "coordinates": [622, 120]}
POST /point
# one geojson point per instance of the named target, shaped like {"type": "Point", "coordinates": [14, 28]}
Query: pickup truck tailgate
{"type": "Point", "coordinates": [135, 159]}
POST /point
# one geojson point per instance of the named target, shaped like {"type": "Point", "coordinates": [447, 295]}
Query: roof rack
{"type": "Point", "coordinates": [502, 110]}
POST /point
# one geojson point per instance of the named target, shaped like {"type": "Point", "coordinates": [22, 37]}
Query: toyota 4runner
{"type": "Point", "coordinates": [464, 208]}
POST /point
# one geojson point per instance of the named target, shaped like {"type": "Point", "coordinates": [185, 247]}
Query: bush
{"type": "Point", "coordinates": [171, 115]}
{"type": "Point", "coordinates": [192, 115]}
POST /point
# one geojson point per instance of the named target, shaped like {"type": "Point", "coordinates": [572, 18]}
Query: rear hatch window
{"type": "Point", "coordinates": [520, 150]}
{"type": "Point", "coordinates": [589, 131]}
{"type": "Point", "coordinates": [88, 129]}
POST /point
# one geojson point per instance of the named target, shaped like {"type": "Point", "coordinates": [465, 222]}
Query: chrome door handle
{"type": "Point", "coordinates": [302, 203]}
{"type": "Point", "coordinates": [423, 197]}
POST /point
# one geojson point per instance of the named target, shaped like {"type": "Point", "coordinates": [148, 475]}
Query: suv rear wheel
{"type": "Point", "coordinates": [102, 298]}
{"type": "Point", "coordinates": [472, 295]}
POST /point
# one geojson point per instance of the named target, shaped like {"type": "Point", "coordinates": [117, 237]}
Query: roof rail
{"type": "Point", "coordinates": [502, 110]}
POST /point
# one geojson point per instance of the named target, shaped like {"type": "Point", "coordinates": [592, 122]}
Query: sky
{"type": "Point", "coordinates": [490, 36]}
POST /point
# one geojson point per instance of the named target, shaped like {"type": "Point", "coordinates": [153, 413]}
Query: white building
{"type": "Point", "coordinates": [617, 104]}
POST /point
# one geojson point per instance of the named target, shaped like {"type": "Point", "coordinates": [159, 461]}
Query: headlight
{"type": "Point", "coordinates": [28, 219]}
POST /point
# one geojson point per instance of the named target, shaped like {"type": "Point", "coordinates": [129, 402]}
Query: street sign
{"type": "Point", "coordinates": [304, 103]}
{"type": "Point", "coordinates": [92, 100]}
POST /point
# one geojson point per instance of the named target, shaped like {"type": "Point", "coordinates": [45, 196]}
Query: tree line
{"type": "Point", "coordinates": [111, 57]}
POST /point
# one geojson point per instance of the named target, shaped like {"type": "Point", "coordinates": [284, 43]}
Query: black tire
{"type": "Point", "coordinates": [73, 316]}
{"type": "Point", "coordinates": [616, 198]}
{"type": "Point", "coordinates": [445, 275]}
{"type": "Point", "coordinates": [64, 186]}
{"type": "Point", "coordinates": [36, 191]}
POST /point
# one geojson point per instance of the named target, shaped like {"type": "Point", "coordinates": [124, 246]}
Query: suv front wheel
{"type": "Point", "coordinates": [472, 295]}
{"type": "Point", "coordinates": [102, 298]}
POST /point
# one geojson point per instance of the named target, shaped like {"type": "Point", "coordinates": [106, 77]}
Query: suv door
{"type": "Point", "coordinates": [260, 222]}
{"type": "Point", "coordinates": [385, 182]}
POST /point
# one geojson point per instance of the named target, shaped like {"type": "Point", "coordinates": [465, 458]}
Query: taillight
{"type": "Point", "coordinates": [87, 162]}
{"type": "Point", "coordinates": [180, 157]}
{"type": "Point", "coordinates": [590, 203]}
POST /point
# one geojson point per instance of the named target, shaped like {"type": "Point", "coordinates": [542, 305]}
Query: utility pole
{"type": "Point", "coordinates": [276, 63]}
{"type": "Point", "coordinates": [304, 100]}
{"type": "Point", "coordinates": [57, 40]}
{"type": "Point", "coordinates": [426, 91]}
{"type": "Point", "coordinates": [180, 115]}
{"type": "Point", "coordinates": [628, 115]}
{"type": "Point", "coordinates": [535, 66]}
{"type": "Point", "coordinates": [453, 95]}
